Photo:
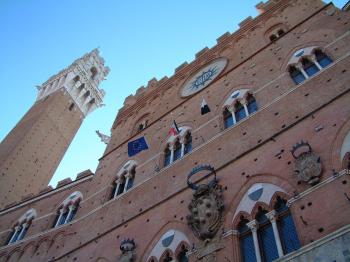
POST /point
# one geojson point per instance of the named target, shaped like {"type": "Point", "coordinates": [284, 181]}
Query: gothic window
{"type": "Point", "coordinates": [322, 58]}
{"type": "Point", "coordinates": [309, 67]}
{"type": "Point", "coordinates": [242, 104]}
{"type": "Point", "coordinates": [167, 257]}
{"type": "Point", "coordinates": [240, 112]}
{"type": "Point", "coordinates": [68, 209]}
{"type": "Point", "coordinates": [273, 37]}
{"type": "Point", "coordinates": [246, 241]}
{"type": "Point", "coordinates": [188, 143]}
{"type": "Point", "coordinates": [125, 179]}
{"type": "Point", "coordinates": [296, 75]}
{"type": "Point", "coordinates": [76, 79]}
{"type": "Point", "coordinates": [306, 62]}
{"type": "Point", "coordinates": [228, 119]}
{"type": "Point", "coordinates": [288, 235]}
{"type": "Point", "coordinates": [94, 72]}
{"type": "Point", "coordinates": [280, 32]}
{"type": "Point", "coordinates": [177, 146]}
{"type": "Point", "coordinates": [20, 229]}
{"type": "Point", "coordinates": [18, 233]}
{"type": "Point", "coordinates": [167, 156]}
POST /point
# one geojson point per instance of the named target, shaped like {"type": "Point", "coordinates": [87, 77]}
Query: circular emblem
{"type": "Point", "coordinates": [204, 77]}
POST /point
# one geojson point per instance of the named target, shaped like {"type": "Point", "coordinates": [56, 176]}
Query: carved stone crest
{"type": "Point", "coordinates": [127, 247]}
{"type": "Point", "coordinates": [308, 165]}
{"type": "Point", "coordinates": [206, 207]}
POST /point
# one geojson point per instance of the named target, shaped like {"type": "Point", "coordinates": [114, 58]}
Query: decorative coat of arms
{"type": "Point", "coordinates": [308, 165]}
{"type": "Point", "coordinates": [127, 247]}
{"type": "Point", "coordinates": [206, 213]}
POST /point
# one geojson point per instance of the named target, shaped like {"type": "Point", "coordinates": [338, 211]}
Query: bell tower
{"type": "Point", "coordinates": [32, 151]}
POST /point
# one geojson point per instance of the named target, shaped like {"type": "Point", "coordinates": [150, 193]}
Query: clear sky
{"type": "Point", "coordinates": [138, 39]}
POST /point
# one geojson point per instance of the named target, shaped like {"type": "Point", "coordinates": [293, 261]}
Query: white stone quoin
{"type": "Point", "coordinates": [80, 80]}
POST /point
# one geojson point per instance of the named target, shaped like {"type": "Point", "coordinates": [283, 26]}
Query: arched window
{"type": "Point", "coordinates": [288, 235]}
{"type": "Point", "coordinates": [273, 37]}
{"type": "Point", "coordinates": [322, 58]}
{"type": "Point", "coordinates": [167, 156]}
{"type": "Point", "coordinates": [243, 103]}
{"type": "Point", "coordinates": [228, 119]}
{"type": "Point", "coordinates": [267, 240]}
{"type": "Point", "coordinates": [68, 209]}
{"type": "Point", "coordinates": [240, 112]}
{"type": "Point", "coordinates": [309, 67]}
{"type": "Point", "coordinates": [94, 72]}
{"type": "Point", "coordinates": [280, 32]}
{"type": "Point", "coordinates": [296, 75]}
{"type": "Point", "coordinates": [188, 143]}
{"type": "Point", "coordinates": [177, 150]}
{"type": "Point", "coordinates": [20, 229]}
{"type": "Point", "coordinates": [178, 145]}
{"type": "Point", "coordinates": [307, 62]}
{"type": "Point", "coordinates": [125, 179]}
{"type": "Point", "coordinates": [246, 241]}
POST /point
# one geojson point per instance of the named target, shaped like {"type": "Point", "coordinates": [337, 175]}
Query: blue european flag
{"type": "Point", "coordinates": [136, 146]}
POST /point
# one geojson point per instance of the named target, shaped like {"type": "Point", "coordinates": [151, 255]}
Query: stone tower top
{"type": "Point", "coordinates": [80, 80]}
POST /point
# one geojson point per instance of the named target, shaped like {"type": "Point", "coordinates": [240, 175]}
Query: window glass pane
{"type": "Point", "coordinates": [74, 212]}
{"type": "Point", "coordinates": [182, 256]}
{"type": "Point", "coordinates": [288, 234]}
{"type": "Point", "coordinates": [121, 188]}
{"type": "Point", "coordinates": [188, 147]}
{"type": "Point", "coordinates": [130, 183]}
{"type": "Point", "coordinates": [23, 234]}
{"type": "Point", "coordinates": [298, 78]}
{"type": "Point", "coordinates": [268, 244]}
{"type": "Point", "coordinates": [17, 234]}
{"type": "Point", "coordinates": [311, 70]}
{"type": "Point", "coordinates": [252, 106]}
{"type": "Point", "coordinates": [324, 61]}
{"type": "Point", "coordinates": [167, 158]}
{"type": "Point", "coordinates": [247, 248]}
{"type": "Point", "coordinates": [228, 121]}
{"type": "Point", "coordinates": [63, 218]}
{"type": "Point", "coordinates": [240, 113]}
{"type": "Point", "coordinates": [177, 152]}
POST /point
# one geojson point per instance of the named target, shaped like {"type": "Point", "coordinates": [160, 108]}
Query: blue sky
{"type": "Point", "coordinates": [138, 39]}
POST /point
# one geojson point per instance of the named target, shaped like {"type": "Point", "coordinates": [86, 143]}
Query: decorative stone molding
{"type": "Point", "coordinates": [80, 80]}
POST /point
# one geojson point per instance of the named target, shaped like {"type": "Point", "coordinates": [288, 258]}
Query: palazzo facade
{"type": "Point", "coordinates": [263, 175]}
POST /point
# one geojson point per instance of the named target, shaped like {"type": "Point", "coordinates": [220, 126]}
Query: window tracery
{"type": "Point", "coordinates": [21, 227]}
{"type": "Point", "coordinates": [238, 106]}
{"type": "Point", "coordinates": [307, 62]}
{"type": "Point", "coordinates": [125, 178]}
{"type": "Point", "coordinates": [178, 146]}
{"type": "Point", "coordinates": [68, 209]}
{"type": "Point", "coordinates": [270, 235]}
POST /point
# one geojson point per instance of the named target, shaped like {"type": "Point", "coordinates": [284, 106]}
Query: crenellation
{"type": "Point", "coordinates": [224, 37]}
{"type": "Point", "coordinates": [201, 52]}
{"type": "Point", "coordinates": [246, 22]}
{"type": "Point", "coordinates": [64, 182]}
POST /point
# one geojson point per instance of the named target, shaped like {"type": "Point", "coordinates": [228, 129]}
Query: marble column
{"type": "Point", "coordinates": [253, 225]}
{"type": "Point", "coordinates": [272, 217]}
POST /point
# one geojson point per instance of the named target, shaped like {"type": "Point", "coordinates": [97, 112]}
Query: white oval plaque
{"type": "Point", "coordinates": [204, 77]}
